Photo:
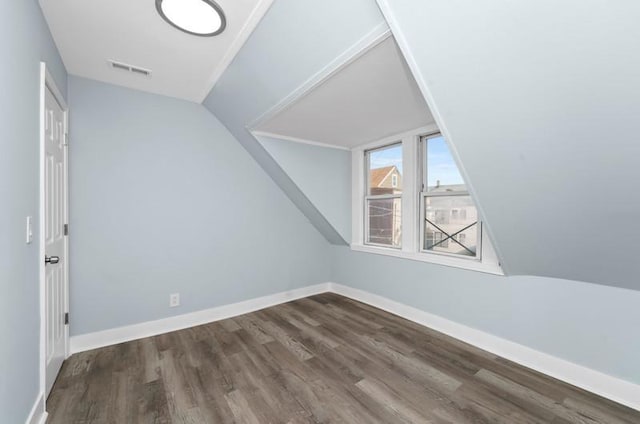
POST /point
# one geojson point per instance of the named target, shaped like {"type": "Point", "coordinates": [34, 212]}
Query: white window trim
{"type": "Point", "coordinates": [424, 194]}
{"type": "Point", "coordinates": [411, 197]}
{"type": "Point", "coordinates": [368, 197]}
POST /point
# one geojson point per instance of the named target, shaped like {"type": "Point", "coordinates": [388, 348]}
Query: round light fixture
{"type": "Point", "coordinates": [197, 17]}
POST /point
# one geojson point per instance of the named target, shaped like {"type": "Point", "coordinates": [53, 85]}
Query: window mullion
{"type": "Point", "coordinates": [409, 190]}
{"type": "Point", "coordinates": [358, 189]}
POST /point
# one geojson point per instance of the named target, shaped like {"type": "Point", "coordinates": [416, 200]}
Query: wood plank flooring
{"type": "Point", "coordinates": [323, 359]}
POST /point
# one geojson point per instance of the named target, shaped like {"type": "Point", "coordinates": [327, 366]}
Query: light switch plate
{"type": "Point", "coordinates": [29, 234]}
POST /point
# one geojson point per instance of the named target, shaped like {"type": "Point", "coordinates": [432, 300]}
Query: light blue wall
{"type": "Point", "coordinates": [584, 323]}
{"type": "Point", "coordinates": [533, 130]}
{"type": "Point", "coordinates": [541, 101]}
{"type": "Point", "coordinates": [159, 185]}
{"type": "Point", "coordinates": [24, 42]}
{"type": "Point", "coordinates": [295, 40]}
{"type": "Point", "coordinates": [323, 174]}
{"type": "Point", "coordinates": [587, 324]}
{"type": "Point", "coordinates": [165, 200]}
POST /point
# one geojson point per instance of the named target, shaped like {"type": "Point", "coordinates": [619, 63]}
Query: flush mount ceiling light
{"type": "Point", "coordinates": [197, 17]}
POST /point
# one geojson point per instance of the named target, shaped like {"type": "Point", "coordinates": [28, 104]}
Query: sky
{"type": "Point", "coordinates": [440, 163]}
{"type": "Point", "coordinates": [387, 157]}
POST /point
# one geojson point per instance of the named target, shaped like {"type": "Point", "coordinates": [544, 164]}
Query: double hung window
{"type": "Point", "coordinates": [449, 218]}
{"type": "Point", "coordinates": [383, 200]}
{"type": "Point", "coordinates": [411, 201]}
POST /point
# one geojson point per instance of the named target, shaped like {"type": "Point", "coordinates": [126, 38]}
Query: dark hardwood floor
{"type": "Point", "coordinates": [324, 359]}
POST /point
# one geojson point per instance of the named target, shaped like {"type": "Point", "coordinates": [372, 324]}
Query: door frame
{"type": "Point", "coordinates": [47, 82]}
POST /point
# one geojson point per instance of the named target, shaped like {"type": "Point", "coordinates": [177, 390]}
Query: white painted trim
{"type": "Point", "coordinates": [612, 388]}
{"type": "Point", "coordinates": [38, 415]}
{"type": "Point", "coordinates": [396, 138]}
{"type": "Point", "coordinates": [411, 248]}
{"type": "Point", "coordinates": [41, 236]}
{"type": "Point", "coordinates": [366, 43]}
{"type": "Point", "coordinates": [358, 183]}
{"type": "Point", "coordinates": [396, 29]}
{"type": "Point", "coordinates": [357, 194]}
{"type": "Point", "coordinates": [48, 82]}
{"type": "Point", "coordinates": [409, 188]}
{"type": "Point", "coordinates": [249, 26]}
{"type": "Point", "coordinates": [454, 262]}
{"type": "Point", "coordinates": [113, 336]}
{"type": "Point", "coordinates": [297, 140]}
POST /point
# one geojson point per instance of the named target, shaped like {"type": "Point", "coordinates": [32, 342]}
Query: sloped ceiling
{"type": "Point", "coordinates": [538, 99]}
{"type": "Point", "coordinates": [370, 98]}
{"type": "Point", "coordinates": [295, 40]}
{"type": "Point", "coordinates": [541, 102]}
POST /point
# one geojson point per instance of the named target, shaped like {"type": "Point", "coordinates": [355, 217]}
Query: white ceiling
{"type": "Point", "coordinates": [371, 98]}
{"type": "Point", "coordinates": [88, 33]}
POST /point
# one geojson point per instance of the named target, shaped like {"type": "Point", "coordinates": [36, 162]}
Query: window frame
{"type": "Point", "coordinates": [411, 209]}
{"type": "Point", "coordinates": [368, 197]}
{"type": "Point", "coordinates": [424, 194]}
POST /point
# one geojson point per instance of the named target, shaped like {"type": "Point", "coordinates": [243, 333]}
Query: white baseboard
{"type": "Point", "coordinates": [38, 415]}
{"type": "Point", "coordinates": [127, 333]}
{"type": "Point", "coordinates": [612, 388]}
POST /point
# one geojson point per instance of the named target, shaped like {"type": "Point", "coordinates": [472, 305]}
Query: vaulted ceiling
{"type": "Point", "coordinates": [249, 88]}
{"type": "Point", "coordinates": [538, 100]}
{"type": "Point", "coordinates": [370, 98]}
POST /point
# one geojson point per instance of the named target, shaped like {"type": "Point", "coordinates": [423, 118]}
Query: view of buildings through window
{"type": "Point", "coordinates": [449, 218]}
{"type": "Point", "coordinates": [384, 196]}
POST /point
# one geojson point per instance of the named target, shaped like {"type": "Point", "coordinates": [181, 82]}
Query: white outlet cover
{"type": "Point", "coordinates": [174, 300]}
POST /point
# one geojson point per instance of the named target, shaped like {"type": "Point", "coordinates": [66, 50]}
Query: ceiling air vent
{"type": "Point", "coordinates": [129, 68]}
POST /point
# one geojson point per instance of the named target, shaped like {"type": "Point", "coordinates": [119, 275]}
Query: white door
{"type": "Point", "coordinates": [55, 205]}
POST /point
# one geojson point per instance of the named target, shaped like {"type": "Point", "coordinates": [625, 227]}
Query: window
{"type": "Point", "coordinates": [411, 201]}
{"type": "Point", "coordinates": [383, 200]}
{"type": "Point", "coordinates": [449, 215]}
{"type": "Point", "coordinates": [439, 238]}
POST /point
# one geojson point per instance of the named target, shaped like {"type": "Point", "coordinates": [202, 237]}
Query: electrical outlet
{"type": "Point", "coordinates": [174, 300]}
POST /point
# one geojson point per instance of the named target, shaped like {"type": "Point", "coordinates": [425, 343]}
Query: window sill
{"type": "Point", "coordinates": [489, 268]}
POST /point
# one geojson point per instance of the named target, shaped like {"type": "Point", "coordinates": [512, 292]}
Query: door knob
{"type": "Point", "coordinates": [51, 260]}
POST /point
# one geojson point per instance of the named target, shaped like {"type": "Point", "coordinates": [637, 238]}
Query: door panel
{"type": "Point", "coordinates": [54, 217]}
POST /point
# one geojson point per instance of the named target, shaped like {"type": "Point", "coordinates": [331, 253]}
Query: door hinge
{"type": "Point", "coordinates": [66, 139]}
{"type": "Point", "coordinates": [66, 318]}
{"type": "Point", "coordinates": [66, 229]}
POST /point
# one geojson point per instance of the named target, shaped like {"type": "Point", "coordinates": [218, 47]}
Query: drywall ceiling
{"type": "Point", "coordinates": [373, 97]}
{"type": "Point", "coordinates": [540, 102]}
{"type": "Point", "coordinates": [90, 33]}
{"type": "Point", "coordinates": [296, 43]}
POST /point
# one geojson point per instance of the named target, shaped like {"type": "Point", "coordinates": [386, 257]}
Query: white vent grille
{"type": "Point", "coordinates": [120, 66]}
